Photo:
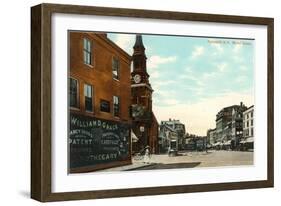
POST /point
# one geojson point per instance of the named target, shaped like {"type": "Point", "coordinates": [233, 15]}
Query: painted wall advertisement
{"type": "Point", "coordinates": [95, 141]}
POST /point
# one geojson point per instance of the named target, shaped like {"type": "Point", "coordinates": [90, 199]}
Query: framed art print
{"type": "Point", "coordinates": [132, 102]}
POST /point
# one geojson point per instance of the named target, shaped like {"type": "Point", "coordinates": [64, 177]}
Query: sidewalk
{"type": "Point", "coordinates": [155, 159]}
{"type": "Point", "coordinates": [134, 165]}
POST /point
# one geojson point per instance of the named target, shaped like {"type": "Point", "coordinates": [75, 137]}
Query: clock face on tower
{"type": "Point", "coordinates": [137, 78]}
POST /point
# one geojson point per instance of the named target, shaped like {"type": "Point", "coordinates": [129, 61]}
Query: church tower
{"type": "Point", "coordinates": [145, 125]}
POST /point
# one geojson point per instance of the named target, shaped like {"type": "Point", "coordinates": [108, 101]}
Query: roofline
{"type": "Point", "coordinates": [248, 109]}
{"type": "Point", "coordinates": [155, 118]}
{"type": "Point", "coordinates": [168, 127]}
{"type": "Point", "coordinates": [111, 43]}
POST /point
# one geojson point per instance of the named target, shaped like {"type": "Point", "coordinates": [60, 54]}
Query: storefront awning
{"type": "Point", "coordinates": [134, 137]}
{"type": "Point", "coordinates": [249, 140]}
{"type": "Point", "coordinates": [227, 142]}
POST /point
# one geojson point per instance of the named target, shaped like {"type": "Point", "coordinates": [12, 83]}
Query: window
{"type": "Point", "coordinates": [88, 93]}
{"type": "Point", "coordinates": [247, 123]}
{"type": "Point", "coordinates": [252, 131]}
{"type": "Point", "coordinates": [87, 50]}
{"type": "Point", "coordinates": [104, 106]}
{"type": "Point", "coordinates": [73, 93]}
{"type": "Point", "coordinates": [252, 122]}
{"type": "Point", "coordinates": [115, 68]}
{"type": "Point", "coordinates": [252, 114]}
{"type": "Point", "coordinates": [116, 106]}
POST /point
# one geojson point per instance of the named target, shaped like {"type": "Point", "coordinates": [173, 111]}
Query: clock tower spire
{"type": "Point", "coordinates": [145, 125]}
{"type": "Point", "coordinates": [139, 61]}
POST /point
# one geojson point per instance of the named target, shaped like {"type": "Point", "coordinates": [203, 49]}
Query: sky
{"type": "Point", "coordinates": [195, 77]}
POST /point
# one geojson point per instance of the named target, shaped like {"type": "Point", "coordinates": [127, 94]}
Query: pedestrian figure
{"type": "Point", "coordinates": [146, 158]}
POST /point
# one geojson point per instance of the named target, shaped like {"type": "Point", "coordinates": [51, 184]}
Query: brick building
{"type": "Point", "coordinates": [145, 124]}
{"type": "Point", "coordinates": [224, 117]}
{"type": "Point", "coordinates": [100, 101]}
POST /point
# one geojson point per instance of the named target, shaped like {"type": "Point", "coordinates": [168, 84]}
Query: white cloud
{"type": "Point", "coordinates": [158, 84]}
{"type": "Point", "coordinates": [218, 49]}
{"type": "Point", "coordinates": [217, 46]}
{"type": "Point", "coordinates": [198, 51]}
{"type": "Point", "coordinates": [163, 96]}
{"type": "Point", "coordinates": [199, 117]}
{"type": "Point", "coordinates": [237, 47]}
{"type": "Point", "coordinates": [200, 80]}
{"type": "Point", "coordinates": [237, 58]}
{"type": "Point", "coordinates": [188, 70]}
{"type": "Point", "coordinates": [125, 41]}
{"type": "Point", "coordinates": [222, 66]}
{"type": "Point", "coordinates": [170, 102]}
{"type": "Point", "coordinates": [243, 68]}
{"type": "Point", "coordinates": [155, 60]}
{"type": "Point", "coordinates": [241, 79]}
{"type": "Point", "coordinates": [209, 75]}
{"type": "Point", "coordinates": [154, 75]}
{"type": "Point", "coordinates": [190, 76]}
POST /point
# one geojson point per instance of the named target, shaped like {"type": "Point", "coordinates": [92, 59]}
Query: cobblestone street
{"type": "Point", "coordinates": [201, 159]}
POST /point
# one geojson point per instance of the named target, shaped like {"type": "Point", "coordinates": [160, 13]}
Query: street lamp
{"type": "Point", "coordinates": [141, 128]}
{"type": "Point", "coordinates": [142, 135]}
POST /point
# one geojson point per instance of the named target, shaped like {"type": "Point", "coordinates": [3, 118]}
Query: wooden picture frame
{"type": "Point", "coordinates": [41, 118]}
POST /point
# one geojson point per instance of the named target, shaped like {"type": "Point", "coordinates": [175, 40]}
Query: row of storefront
{"type": "Point", "coordinates": [234, 129]}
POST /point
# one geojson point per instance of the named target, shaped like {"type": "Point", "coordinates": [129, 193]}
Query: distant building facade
{"type": "Point", "coordinates": [237, 125]}
{"type": "Point", "coordinates": [190, 142]}
{"type": "Point", "coordinates": [224, 117]}
{"type": "Point", "coordinates": [211, 136]}
{"type": "Point", "coordinates": [201, 143]}
{"type": "Point", "coordinates": [248, 128]}
{"type": "Point", "coordinates": [196, 143]}
{"type": "Point", "coordinates": [168, 138]}
{"type": "Point", "coordinates": [179, 129]}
